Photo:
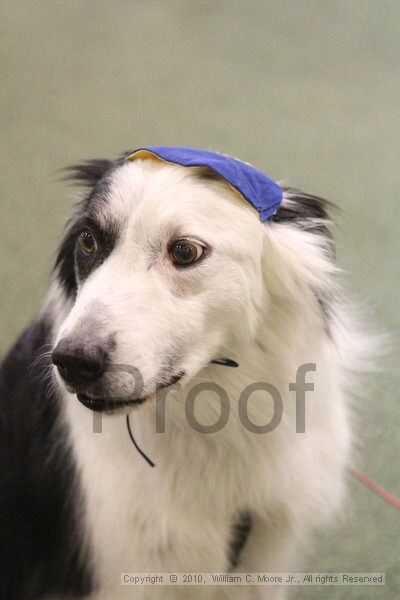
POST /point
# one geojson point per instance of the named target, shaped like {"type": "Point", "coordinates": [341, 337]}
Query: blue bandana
{"type": "Point", "coordinates": [254, 186]}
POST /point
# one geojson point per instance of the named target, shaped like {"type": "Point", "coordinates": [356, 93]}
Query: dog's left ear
{"type": "Point", "coordinates": [89, 172]}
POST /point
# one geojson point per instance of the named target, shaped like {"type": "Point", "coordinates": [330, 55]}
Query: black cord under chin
{"type": "Point", "coordinates": [135, 444]}
{"type": "Point", "coordinates": [225, 362]}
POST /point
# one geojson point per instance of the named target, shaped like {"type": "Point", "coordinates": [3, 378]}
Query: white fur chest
{"type": "Point", "coordinates": [174, 517]}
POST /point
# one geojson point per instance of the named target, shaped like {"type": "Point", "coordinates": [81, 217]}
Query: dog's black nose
{"type": "Point", "coordinates": [79, 364]}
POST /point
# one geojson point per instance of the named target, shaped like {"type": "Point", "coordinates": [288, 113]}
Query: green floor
{"type": "Point", "coordinates": [307, 89]}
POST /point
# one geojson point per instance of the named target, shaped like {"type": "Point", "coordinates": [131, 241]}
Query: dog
{"type": "Point", "coordinates": [166, 275]}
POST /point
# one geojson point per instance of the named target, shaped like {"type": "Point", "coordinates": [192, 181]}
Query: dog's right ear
{"type": "Point", "coordinates": [89, 172]}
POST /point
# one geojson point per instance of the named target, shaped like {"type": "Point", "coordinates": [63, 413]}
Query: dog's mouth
{"type": "Point", "coordinates": [110, 404]}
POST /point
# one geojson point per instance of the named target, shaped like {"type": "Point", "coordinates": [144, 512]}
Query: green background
{"type": "Point", "coordinates": [308, 90]}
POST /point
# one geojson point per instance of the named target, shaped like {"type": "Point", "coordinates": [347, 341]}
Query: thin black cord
{"type": "Point", "coordinates": [135, 444]}
{"type": "Point", "coordinates": [225, 362]}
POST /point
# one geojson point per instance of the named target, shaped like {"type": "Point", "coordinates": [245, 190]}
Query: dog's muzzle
{"type": "Point", "coordinates": [79, 365]}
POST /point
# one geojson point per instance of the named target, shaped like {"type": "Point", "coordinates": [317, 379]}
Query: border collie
{"type": "Point", "coordinates": [164, 269]}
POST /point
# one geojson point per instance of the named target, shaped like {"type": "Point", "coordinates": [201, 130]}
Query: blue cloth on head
{"type": "Point", "coordinates": [256, 187]}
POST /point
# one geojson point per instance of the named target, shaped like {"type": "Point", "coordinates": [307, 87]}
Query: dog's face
{"type": "Point", "coordinates": [164, 266]}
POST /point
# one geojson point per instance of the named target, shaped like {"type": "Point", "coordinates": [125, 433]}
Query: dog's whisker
{"type": "Point", "coordinates": [39, 358]}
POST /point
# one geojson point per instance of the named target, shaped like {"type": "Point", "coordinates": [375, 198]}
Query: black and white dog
{"type": "Point", "coordinates": [165, 269]}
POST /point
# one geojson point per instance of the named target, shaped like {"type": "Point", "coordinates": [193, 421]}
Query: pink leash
{"type": "Point", "coordinates": [377, 489]}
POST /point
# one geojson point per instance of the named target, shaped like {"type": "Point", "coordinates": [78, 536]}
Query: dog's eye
{"type": "Point", "coordinates": [87, 242]}
{"type": "Point", "coordinates": [185, 252]}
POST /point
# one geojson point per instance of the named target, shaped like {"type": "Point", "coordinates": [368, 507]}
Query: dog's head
{"type": "Point", "coordinates": [165, 269]}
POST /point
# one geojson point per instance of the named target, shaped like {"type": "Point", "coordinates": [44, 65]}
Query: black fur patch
{"type": "Point", "coordinates": [41, 542]}
{"type": "Point", "coordinates": [240, 532]}
{"type": "Point", "coordinates": [311, 214]}
{"type": "Point", "coordinates": [105, 239]}
{"type": "Point", "coordinates": [95, 175]}
{"type": "Point", "coordinates": [65, 262]}
{"type": "Point", "coordinates": [89, 172]}
{"type": "Point", "coordinates": [207, 174]}
{"type": "Point", "coordinates": [307, 212]}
